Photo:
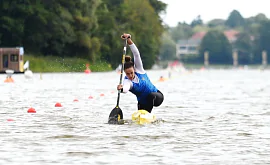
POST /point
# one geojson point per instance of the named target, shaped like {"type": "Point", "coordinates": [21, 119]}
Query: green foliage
{"type": "Point", "coordinates": [196, 22]}
{"type": "Point", "coordinates": [253, 38]}
{"type": "Point", "coordinates": [146, 27]}
{"type": "Point", "coordinates": [158, 6]}
{"type": "Point", "coordinates": [216, 22]}
{"type": "Point", "coordinates": [262, 41]}
{"type": "Point", "coordinates": [200, 28]}
{"type": "Point", "coordinates": [57, 64]}
{"type": "Point", "coordinates": [167, 50]}
{"type": "Point", "coordinates": [218, 46]}
{"type": "Point", "coordinates": [181, 31]}
{"type": "Point", "coordinates": [235, 19]}
{"type": "Point", "coordinates": [91, 29]}
{"type": "Point", "coordinates": [243, 45]}
{"type": "Point", "coordinates": [87, 29]}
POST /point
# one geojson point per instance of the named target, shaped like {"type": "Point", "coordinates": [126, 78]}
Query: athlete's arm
{"type": "Point", "coordinates": [136, 54]}
{"type": "Point", "coordinates": [137, 59]}
{"type": "Point", "coordinates": [127, 85]}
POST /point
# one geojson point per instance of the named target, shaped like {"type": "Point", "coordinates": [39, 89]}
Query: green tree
{"type": "Point", "coordinates": [218, 46]}
{"type": "Point", "coordinates": [253, 24]}
{"type": "Point", "coordinates": [168, 47]}
{"type": "Point", "coordinates": [181, 31]}
{"type": "Point", "coordinates": [200, 28]}
{"type": "Point", "coordinates": [111, 25]}
{"type": "Point", "coordinates": [216, 22]}
{"type": "Point", "coordinates": [243, 45]}
{"type": "Point", "coordinates": [87, 29]}
{"type": "Point", "coordinates": [12, 16]}
{"type": "Point", "coordinates": [145, 24]}
{"type": "Point", "coordinates": [197, 21]}
{"type": "Point", "coordinates": [235, 19]}
{"type": "Point", "coordinates": [158, 6]}
{"type": "Point", "coordinates": [262, 41]}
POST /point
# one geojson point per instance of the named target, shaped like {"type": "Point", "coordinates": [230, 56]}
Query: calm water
{"type": "Point", "coordinates": [210, 117]}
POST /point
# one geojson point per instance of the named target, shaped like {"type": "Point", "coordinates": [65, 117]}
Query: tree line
{"type": "Point", "coordinates": [252, 39]}
{"type": "Point", "coordinates": [87, 29]}
{"type": "Point", "coordinates": [91, 29]}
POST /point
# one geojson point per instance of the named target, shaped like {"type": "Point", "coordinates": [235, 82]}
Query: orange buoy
{"type": "Point", "coordinates": [9, 80]}
{"type": "Point", "coordinates": [101, 94]}
{"type": "Point", "coordinates": [87, 70]}
{"type": "Point", "coordinates": [58, 105]}
{"type": "Point", "coordinates": [31, 110]}
{"type": "Point", "coordinates": [161, 79]}
{"type": "Point", "coordinates": [75, 100]}
{"type": "Point", "coordinates": [10, 120]}
{"type": "Point", "coordinates": [90, 97]}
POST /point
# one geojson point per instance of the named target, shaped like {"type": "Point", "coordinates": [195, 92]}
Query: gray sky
{"type": "Point", "coordinates": [187, 10]}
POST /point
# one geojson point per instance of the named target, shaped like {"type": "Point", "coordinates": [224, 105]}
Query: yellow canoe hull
{"type": "Point", "coordinates": [143, 117]}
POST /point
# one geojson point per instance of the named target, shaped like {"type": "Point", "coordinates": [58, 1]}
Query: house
{"type": "Point", "coordinates": [184, 47]}
{"type": "Point", "coordinates": [11, 59]}
{"type": "Point", "coordinates": [191, 46]}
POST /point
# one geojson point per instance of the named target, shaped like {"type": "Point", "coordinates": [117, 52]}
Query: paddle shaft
{"type": "Point", "coordinates": [122, 69]}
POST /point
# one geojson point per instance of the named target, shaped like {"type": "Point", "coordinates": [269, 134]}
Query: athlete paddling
{"type": "Point", "coordinates": [137, 82]}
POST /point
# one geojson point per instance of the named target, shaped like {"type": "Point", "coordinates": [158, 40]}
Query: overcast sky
{"type": "Point", "coordinates": [187, 10]}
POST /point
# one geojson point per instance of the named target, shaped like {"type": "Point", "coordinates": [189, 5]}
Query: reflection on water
{"type": "Point", "coordinates": [210, 117]}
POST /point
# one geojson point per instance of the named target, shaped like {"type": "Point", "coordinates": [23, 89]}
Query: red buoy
{"type": "Point", "coordinates": [58, 105]}
{"type": "Point", "coordinates": [31, 110]}
{"type": "Point", "coordinates": [87, 71]}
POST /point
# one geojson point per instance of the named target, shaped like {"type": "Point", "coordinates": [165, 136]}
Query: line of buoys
{"type": "Point", "coordinates": [58, 104]}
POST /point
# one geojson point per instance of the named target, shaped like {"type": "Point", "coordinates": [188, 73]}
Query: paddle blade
{"type": "Point", "coordinates": [115, 116]}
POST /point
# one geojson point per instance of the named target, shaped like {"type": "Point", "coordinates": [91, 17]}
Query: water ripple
{"type": "Point", "coordinates": [208, 117]}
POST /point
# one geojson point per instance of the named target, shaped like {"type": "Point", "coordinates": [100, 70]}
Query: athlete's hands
{"type": "Point", "coordinates": [125, 36]}
{"type": "Point", "coordinates": [128, 37]}
{"type": "Point", "coordinates": [119, 87]}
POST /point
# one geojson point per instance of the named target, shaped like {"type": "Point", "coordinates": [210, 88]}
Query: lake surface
{"type": "Point", "coordinates": [210, 117]}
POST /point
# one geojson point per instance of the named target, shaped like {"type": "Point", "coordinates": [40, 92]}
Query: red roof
{"type": "Point", "coordinates": [230, 34]}
{"type": "Point", "coordinates": [198, 35]}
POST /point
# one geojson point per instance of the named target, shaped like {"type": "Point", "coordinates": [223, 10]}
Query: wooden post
{"type": "Point", "coordinates": [264, 58]}
{"type": "Point", "coordinates": [206, 59]}
{"type": "Point", "coordinates": [235, 58]}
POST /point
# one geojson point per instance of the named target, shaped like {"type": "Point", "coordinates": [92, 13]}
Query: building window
{"type": "Point", "coordinates": [14, 58]}
{"type": "Point", "coordinates": [192, 48]}
{"type": "Point", "coordinates": [182, 47]}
